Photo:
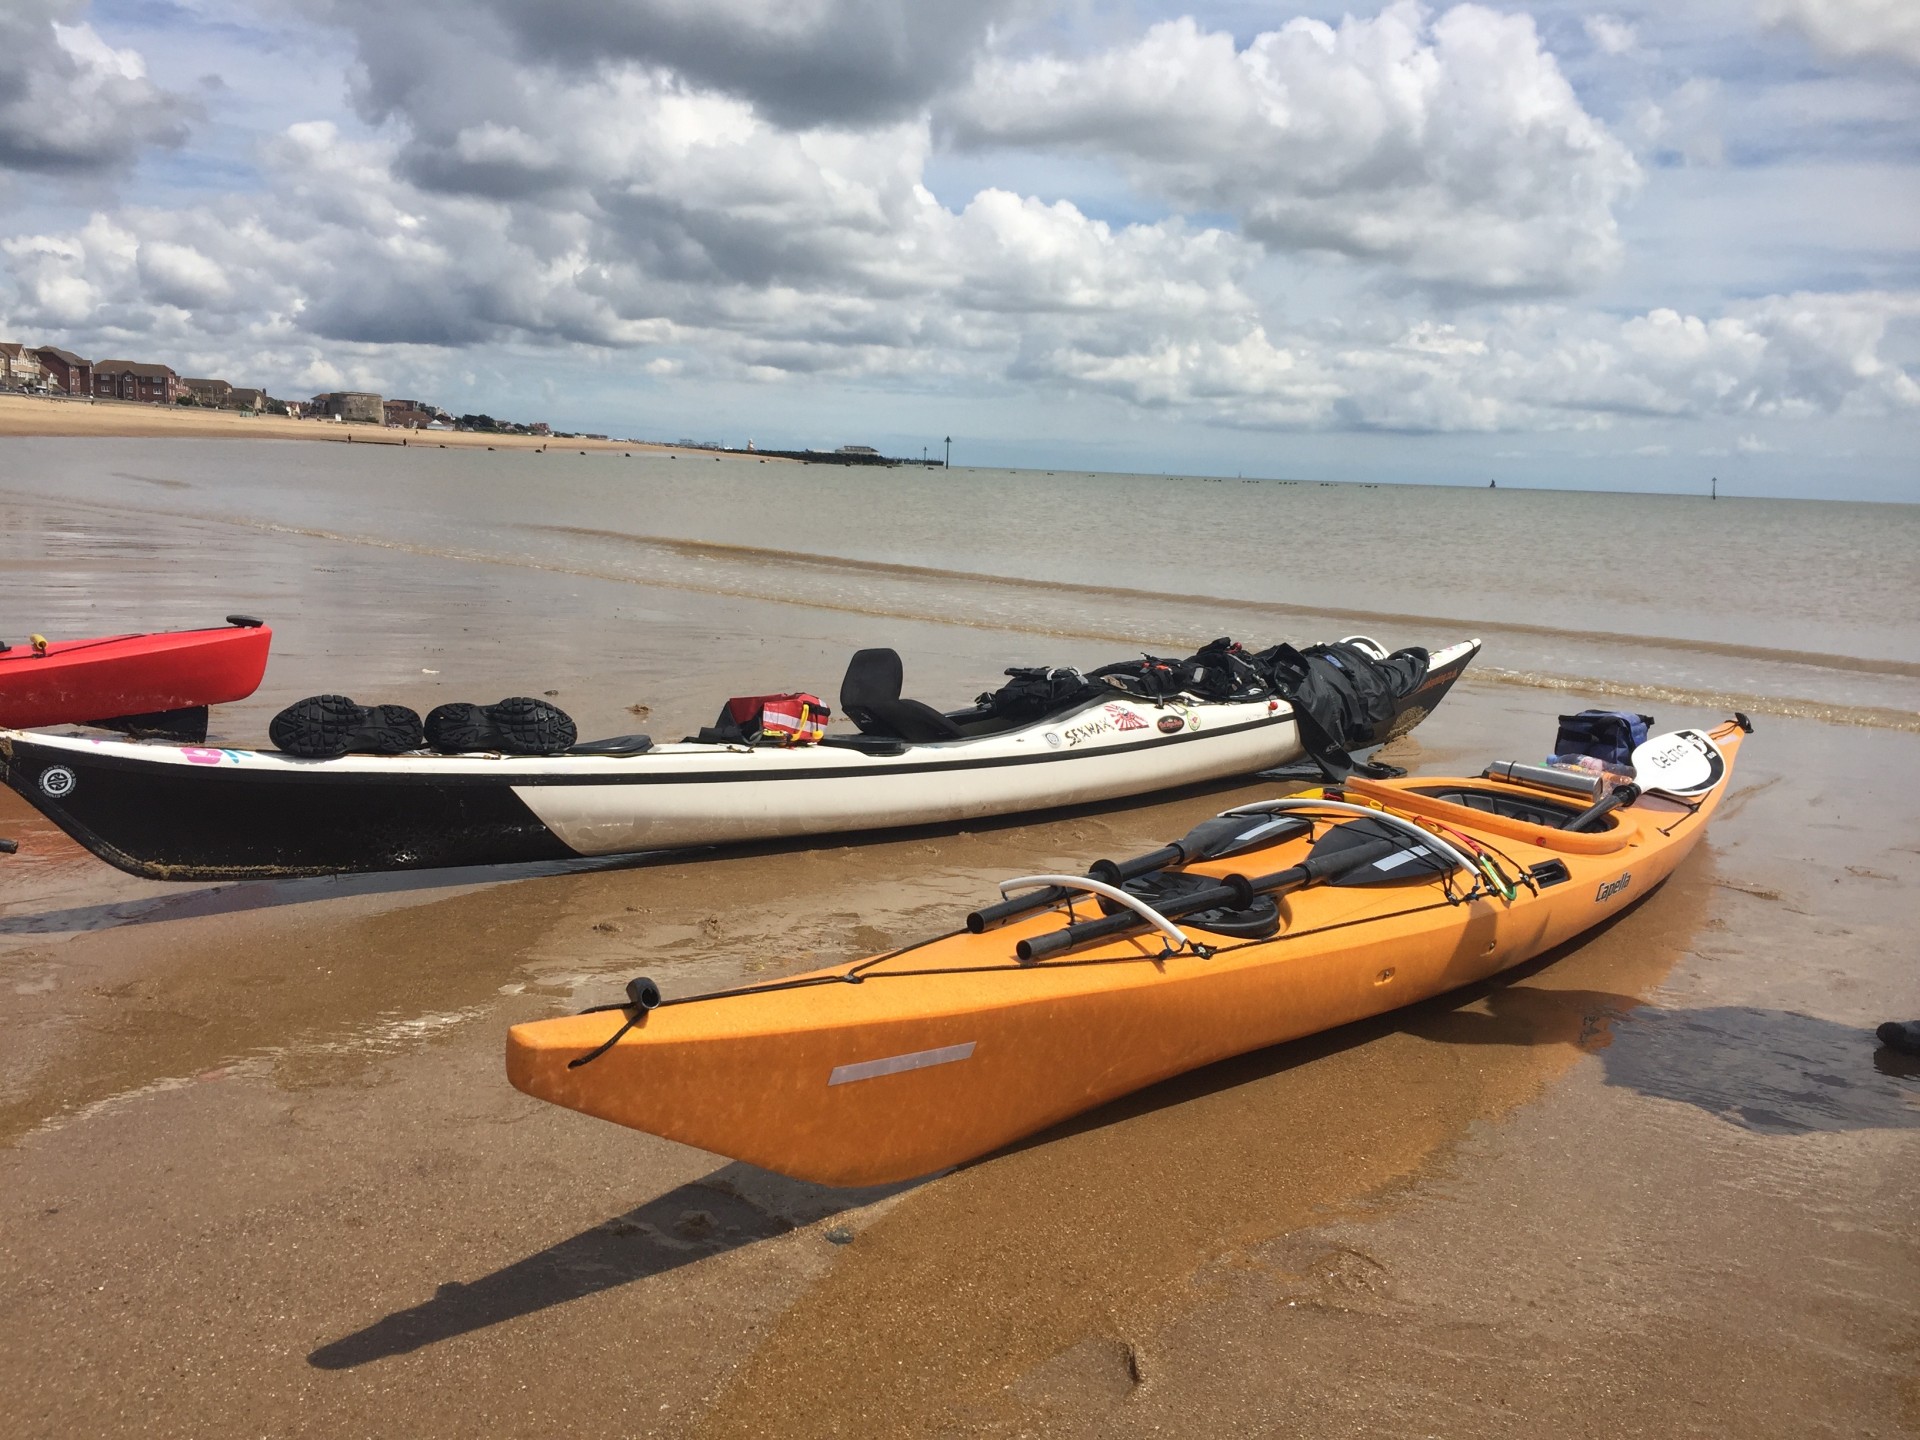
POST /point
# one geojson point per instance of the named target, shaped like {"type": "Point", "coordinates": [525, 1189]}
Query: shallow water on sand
{"type": "Point", "coordinates": [260, 1171]}
{"type": "Point", "coordinates": [1802, 607]}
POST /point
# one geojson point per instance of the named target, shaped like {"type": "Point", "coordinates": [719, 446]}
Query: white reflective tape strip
{"type": "Point", "coordinates": [1400, 857]}
{"type": "Point", "coordinates": [895, 1064]}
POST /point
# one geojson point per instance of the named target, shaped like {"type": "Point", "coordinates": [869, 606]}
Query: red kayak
{"type": "Point", "coordinates": [159, 683]}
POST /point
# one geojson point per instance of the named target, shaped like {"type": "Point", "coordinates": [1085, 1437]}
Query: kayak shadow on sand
{"type": "Point", "coordinates": [239, 896]}
{"type": "Point", "coordinates": [1776, 1072]}
{"type": "Point", "coordinates": [1772, 1071]}
{"type": "Point", "coordinates": [734, 1206]}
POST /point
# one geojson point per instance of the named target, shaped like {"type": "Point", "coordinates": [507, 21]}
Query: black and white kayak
{"type": "Point", "coordinates": [198, 812]}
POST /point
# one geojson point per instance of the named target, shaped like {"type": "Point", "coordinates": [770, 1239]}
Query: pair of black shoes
{"type": "Point", "coordinates": [324, 727]}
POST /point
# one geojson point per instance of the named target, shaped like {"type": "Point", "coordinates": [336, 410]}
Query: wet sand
{"type": "Point", "coordinates": [262, 1173]}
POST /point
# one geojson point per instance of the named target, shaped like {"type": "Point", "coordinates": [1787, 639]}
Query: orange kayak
{"type": "Point", "coordinates": [906, 1063]}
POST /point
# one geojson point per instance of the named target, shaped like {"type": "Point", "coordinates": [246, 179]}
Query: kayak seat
{"type": "Point", "coordinates": [870, 697]}
{"type": "Point", "coordinates": [866, 744]}
{"type": "Point", "coordinates": [615, 745]}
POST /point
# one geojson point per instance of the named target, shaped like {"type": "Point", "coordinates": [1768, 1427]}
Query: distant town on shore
{"type": "Point", "coordinates": [49, 370]}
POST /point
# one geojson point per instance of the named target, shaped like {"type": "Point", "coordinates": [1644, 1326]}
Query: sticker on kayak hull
{"type": "Point", "coordinates": [57, 781]}
{"type": "Point", "coordinates": [1613, 887]}
{"type": "Point", "coordinates": [899, 1064]}
{"type": "Point", "coordinates": [1171, 724]}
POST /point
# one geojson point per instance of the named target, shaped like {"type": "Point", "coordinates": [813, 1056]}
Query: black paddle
{"type": "Point", "coordinates": [1590, 817]}
{"type": "Point", "coordinates": [1213, 839]}
{"type": "Point", "coordinates": [1334, 855]}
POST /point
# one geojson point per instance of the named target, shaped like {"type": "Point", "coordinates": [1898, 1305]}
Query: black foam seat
{"type": "Point", "coordinates": [870, 697]}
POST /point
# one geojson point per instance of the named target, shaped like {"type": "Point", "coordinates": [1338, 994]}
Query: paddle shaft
{"type": "Point", "coordinates": [1114, 873]}
{"type": "Point", "coordinates": [1236, 890]}
{"type": "Point", "coordinates": [1209, 840]}
{"type": "Point", "coordinates": [1611, 801]}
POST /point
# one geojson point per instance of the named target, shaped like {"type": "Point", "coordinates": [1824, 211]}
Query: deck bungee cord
{"type": "Point", "coordinates": [1227, 834]}
{"type": "Point", "coordinates": [1411, 842]}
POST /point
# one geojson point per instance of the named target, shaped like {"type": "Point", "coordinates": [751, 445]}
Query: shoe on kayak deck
{"type": "Point", "coordinates": [518, 725]}
{"type": "Point", "coordinates": [324, 727]}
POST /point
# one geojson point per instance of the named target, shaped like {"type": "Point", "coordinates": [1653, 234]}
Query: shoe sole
{"type": "Point", "coordinates": [518, 725]}
{"type": "Point", "coordinates": [325, 727]}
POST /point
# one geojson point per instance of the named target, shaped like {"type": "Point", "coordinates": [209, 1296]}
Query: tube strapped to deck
{"type": "Point", "coordinates": [1112, 892]}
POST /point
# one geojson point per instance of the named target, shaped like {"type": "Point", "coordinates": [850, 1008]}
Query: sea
{"type": "Point", "coordinates": [1796, 607]}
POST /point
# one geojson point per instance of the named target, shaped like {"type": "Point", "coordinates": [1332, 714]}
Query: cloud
{"type": "Point", "coordinates": [800, 64]}
{"type": "Point", "coordinates": [1451, 148]}
{"type": "Point", "coordinates": [835, 263]}
{"type": "Point", "coordinates": [1526, 368]}
{"type": "Point", "coordinates": [70, 104]}
{"type": "Point", "coordinates": [512, 211]}
{"type": "Point", "coordinates": [1853, 29]}
{"type": "Point", "coordinates": [758, 251]}
{"type": "Point", "coordinates": [1610, 35]}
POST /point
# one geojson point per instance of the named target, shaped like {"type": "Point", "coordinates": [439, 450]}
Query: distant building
{"type": "Point", "coordinates": [137, 380]}
{"type": "Point", "coordinates": [540, 427]}
{"type": "Point", "coordinates": [856, 450]}
{"type": "Point", "coordinates": [356, 406]}
{"type": "Point", "coordinates": [65, 370]}
{"type": "Point", "coordinates": [409, 414]}
{"type": "Point", "coordinates": [214, 394]}
{"type": "Point", "coordinates": [243, 398]}
{"type": "Point", "coordinates": [20, 368]}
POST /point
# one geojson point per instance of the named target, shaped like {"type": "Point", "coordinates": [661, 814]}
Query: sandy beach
{"type": "Point", "coordinates": [22, 415]}
{"type": "Point", "coordinates": [261, 1173]}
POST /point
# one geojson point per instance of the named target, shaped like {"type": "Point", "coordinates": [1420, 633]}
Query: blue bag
{"type": "Point", "coordinates": [1609, 736]}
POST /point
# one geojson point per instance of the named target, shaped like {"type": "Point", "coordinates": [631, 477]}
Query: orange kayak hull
{"type": "Point", "coordinates": [951, 1049]}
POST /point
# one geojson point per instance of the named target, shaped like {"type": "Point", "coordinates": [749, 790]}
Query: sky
{"type": "Point", "coordinates": [1641, 247]}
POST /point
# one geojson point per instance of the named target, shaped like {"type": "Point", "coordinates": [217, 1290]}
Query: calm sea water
{"type": "Point", "coordinates": [1798, 606]}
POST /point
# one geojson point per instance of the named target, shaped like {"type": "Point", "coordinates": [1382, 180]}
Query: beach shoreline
{"type": "Point", "coordinates": [51, 417]}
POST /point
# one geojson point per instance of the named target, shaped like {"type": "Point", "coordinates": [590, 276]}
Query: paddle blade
{"type": "Point", "coordinates": [1238, 831]}
{"type": "Point", "coordinates": [1681, 763]}
{"type": "Point", "coordinates": [1408, 862]}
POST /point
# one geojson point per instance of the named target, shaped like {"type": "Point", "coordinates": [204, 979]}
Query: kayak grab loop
{"type": "Point", "coordinates": [1110, 892]}
{"type": "Point", "coordinates": [642, 995]}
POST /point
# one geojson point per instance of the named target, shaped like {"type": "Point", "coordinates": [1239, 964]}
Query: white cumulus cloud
{"type": "Point", "coordinates": [1451, 147]}
{"type": "Point", "coordinates": [71, 104]}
